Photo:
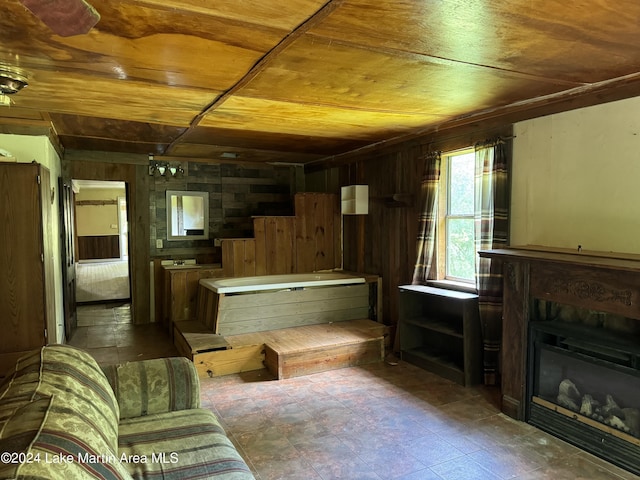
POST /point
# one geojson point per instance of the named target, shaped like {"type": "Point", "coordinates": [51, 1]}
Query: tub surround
{"type": "Point", "coordinates": [279, 282]}
{"type": "Point", "coordinates": [256, 304]}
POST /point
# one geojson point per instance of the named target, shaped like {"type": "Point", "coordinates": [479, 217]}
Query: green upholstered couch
{"type": "Point", "coordinates": [62, 416]}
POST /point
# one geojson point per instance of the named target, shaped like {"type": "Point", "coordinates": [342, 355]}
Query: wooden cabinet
{"type": "Point", "coordinates": [181, 291]}
{"type": "Point", "coordinates": [440, 332]}
{"type": "Point", "coordinates": [26, 260]}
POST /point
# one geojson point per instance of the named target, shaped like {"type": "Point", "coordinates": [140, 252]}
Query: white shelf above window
{"type": "Point", "coordinates": [355, 200]}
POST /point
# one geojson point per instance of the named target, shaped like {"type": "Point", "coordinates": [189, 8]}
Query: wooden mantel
{"type": "Point", "coordinates": [603, 281]}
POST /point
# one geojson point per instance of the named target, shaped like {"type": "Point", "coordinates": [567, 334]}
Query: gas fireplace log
{"type": "Point", "coordinates": [611, 409]}
{"type": "Point", "coordinates": [568, 388]}
{"type": "Point", "coordinates": [567, 402]}
{"type": "Point", "coordinates": [632, 420]}
{"type": "Point", "coordinates": [616, 422]}
{"type": "Point", "coordinates": [624, 419]}
{"type": "Point", "coordinates": [590, 406]}
{"type": "Point", "coordinates": [569, 396]}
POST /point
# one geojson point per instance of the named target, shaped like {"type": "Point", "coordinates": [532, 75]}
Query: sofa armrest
{"type": "Point", "coordinates": [154, 386]}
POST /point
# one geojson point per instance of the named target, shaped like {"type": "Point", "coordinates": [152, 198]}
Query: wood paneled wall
{"type": "Point", "coordinates": [317, 232]}
{"type": "Point", "coordinates": [384, 241]}
{"type": "Point", "coordinates": [134, 171]}
{"type": "Point", "coordinates": [306, 242]}
{"type": "Point", "coordinates": [98, 247]}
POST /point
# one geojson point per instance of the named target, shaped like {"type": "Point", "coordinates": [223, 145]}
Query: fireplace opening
{"type": "Point", "coordinates": [583, 382]}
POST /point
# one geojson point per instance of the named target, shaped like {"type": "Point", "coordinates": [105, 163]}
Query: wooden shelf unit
{"type": "Point", "coordinates": [440, 332]}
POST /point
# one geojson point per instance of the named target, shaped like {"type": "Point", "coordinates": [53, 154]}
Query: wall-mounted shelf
{"type": "Point", "coordinates": [396, 200]}
{"type": "Point", "coordinates": [355, 200]}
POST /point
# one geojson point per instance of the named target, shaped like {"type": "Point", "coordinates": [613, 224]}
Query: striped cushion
{"type": "Point", "coordinates": [49, 429]}
{"type": "Point", "coordinates": [16, 393]}
{"type": "Point", "coordinates": [72, 375]}
{"type": "Point", "coordinates": [19, 430]}
{"type": "Point", "coordinates": [192, 443]}
{"type": "Point", "coordinates": [154, 386]}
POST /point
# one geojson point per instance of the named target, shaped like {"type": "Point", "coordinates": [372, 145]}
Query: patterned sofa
{"type": "Point", "coordinates": [62, 416]}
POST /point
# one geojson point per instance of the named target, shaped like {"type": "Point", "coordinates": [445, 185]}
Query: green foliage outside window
{"type": "Point", "coordinates": [460, 244]}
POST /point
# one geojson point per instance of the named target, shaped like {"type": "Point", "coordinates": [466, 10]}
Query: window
{"type": "Point", "coordinates": [456, 235]}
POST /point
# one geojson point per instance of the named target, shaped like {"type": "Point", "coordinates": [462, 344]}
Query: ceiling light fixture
{"type": "Point", "coordinates": [164, 169]}
{"type": "Point", "coordinates": [11, 82]}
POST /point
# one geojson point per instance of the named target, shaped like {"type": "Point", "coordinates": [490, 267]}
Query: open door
{"type": "Point", "coordinates": [67, 232]}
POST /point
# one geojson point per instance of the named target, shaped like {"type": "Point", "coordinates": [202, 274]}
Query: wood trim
{"type": "Point", "coordinates": [580, 97]}
{"type": "Point", "coordinates": [100, 203]}
{"type": "Point", "coordinates": [260, 65]}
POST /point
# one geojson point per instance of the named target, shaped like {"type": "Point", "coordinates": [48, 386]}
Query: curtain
{"type": "Point", "coordinates": [491, 231]}
{"type": "Point", "coordinates": [428, 218]}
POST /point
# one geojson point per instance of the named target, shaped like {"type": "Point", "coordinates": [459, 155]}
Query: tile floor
{"type": "Point", "coordinates": [106, 331]}
{"type": "Point", "coordinates": [372, 422]}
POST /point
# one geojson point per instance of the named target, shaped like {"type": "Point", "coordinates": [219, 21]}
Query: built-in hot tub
{"type": "Point", "coordinates": [238, 305]}
{"type": "Point", "coordinates": [278, 282]}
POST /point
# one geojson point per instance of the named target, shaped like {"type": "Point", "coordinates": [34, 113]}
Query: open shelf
{"type": "Point", "coordinates": [437, 325]}
{"type": "Point", "coordinates": [440, 332]}
{"type": "Point", "coordinates": [439, 362]}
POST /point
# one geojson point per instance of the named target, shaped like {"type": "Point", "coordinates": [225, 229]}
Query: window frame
{"type": "Point", "coordinates": [444, 216]}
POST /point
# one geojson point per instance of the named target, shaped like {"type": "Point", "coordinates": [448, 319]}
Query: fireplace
{"type": "Point", "coordinates": [571, 348]}
{"type": "Point", "coordinates": [583, 381]}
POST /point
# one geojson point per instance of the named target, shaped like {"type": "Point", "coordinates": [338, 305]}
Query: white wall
{"type": "Point", "coordinates": [576, 179]}
{"type": "Point", "coordinates": [26, 149]}
{"type": "Point", "coordinates": [98, 219]}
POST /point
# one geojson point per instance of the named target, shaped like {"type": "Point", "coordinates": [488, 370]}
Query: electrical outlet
{"type": "Point", "coordinates": [217, 242]}
{"type": "Point", "coordinates": [159, 243]}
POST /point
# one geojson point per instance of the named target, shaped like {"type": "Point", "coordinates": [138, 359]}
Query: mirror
{"type": "Point", "coordinates": [187, 215]}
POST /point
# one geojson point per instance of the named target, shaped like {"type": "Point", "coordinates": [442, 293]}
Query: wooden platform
{"type": "Point", "coordinates": [287, 352]}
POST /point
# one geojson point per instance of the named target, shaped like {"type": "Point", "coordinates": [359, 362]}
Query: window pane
{"type": "Point", "coordinates": [461, 190]}
{"type": "Point", "coordinates": [461, 252]}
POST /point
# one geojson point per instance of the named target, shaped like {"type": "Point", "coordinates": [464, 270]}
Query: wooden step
{"type": "Point", "coordinates": [317, 348]}
{"type": "Point", "coordinates": [295, 351]}
{"type": "Point", "coordinates": [192, 337]}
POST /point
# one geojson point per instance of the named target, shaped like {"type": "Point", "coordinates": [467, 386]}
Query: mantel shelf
{"type": "Point", "coordinates": [614, 260]}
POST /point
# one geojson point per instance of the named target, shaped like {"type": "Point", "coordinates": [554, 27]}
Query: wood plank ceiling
{"type": "Point", "coordinates": [304, 80]}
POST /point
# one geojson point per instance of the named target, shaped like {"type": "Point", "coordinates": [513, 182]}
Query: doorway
{"type": "Point", "coordinates": [102, 244]}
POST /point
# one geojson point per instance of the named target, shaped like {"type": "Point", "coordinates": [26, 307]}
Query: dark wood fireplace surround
{"type": "Point", "coordinates": [606, 282]}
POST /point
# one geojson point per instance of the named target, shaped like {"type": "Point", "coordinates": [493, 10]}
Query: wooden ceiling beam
{"type": "Point", "coordinates": [261, 64]}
